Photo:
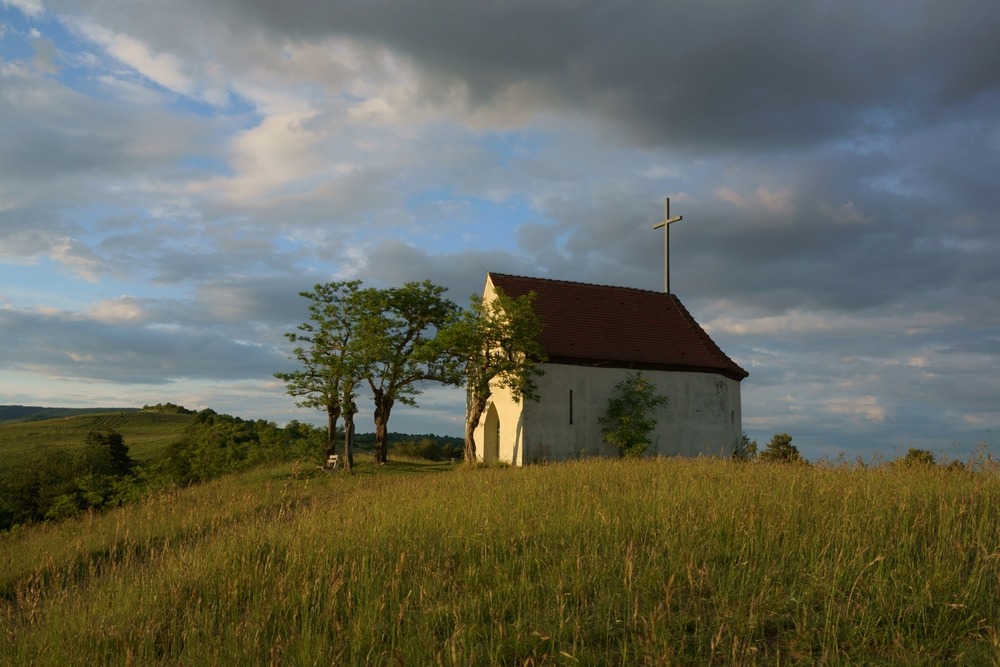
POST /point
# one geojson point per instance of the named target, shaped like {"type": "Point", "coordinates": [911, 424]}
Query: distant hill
{"type": "Point", "coordinates": [34, 413]}
{"type": "Point", "coordinates": [146, 432]}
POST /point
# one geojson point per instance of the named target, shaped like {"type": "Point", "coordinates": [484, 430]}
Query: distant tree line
{"type": "Point", "coordinates": [168, 409]}
{"type": "Point", "coordinates": [781, 450]}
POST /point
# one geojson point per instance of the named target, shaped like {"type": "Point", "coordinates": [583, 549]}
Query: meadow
{"type": "Point", "coordinates": [631, 562]}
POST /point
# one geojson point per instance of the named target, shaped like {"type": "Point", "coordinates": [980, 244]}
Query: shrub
{"type": "Point", "coordinates": [745, 449]}
{"type": "Point", "coordinates": [782, 450]}
{"type": "Point", "coordinates": [918, 458]}
{"type": "Point", "coordinates": [629, 416]}
{"type": "Point", "coordinates": [426, 448]}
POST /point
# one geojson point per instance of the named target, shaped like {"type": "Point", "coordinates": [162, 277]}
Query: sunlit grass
{"type": "Point", "coordinates": [596, 562]}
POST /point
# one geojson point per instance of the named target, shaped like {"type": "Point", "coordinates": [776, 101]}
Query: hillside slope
{"type": "Point", "coordinates": [668, 561]}
{"type": "Point", "coordinates": [145, 433]}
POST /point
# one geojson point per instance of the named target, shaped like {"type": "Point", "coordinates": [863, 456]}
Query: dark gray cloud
{"type": "Point", "coordinates": [759, 76]}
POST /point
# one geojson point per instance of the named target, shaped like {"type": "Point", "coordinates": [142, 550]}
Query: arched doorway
{"type": "Point", "coordinates": [491, 436]}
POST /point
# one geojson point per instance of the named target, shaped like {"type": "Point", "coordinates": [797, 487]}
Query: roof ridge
{"type": "Point", "coordinates": [710, 345]}
{"type": "Point", "coordinates": [578, 282]}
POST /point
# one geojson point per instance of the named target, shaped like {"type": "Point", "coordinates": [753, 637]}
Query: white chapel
{"type": "Point", "coordinates": [595, 335]}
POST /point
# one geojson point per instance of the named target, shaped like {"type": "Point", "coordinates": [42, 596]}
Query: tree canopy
{"type": "Point", "coordinates": [395, 347]}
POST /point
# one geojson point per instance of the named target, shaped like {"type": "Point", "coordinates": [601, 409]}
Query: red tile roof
{"type": "Point", "coordinates": [622, 327]}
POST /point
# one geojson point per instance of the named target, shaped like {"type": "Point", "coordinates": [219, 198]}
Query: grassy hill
{"type": "Point", "coordinates": [29, 413]}
{"type": "Point", "coordinates": [668, 561]}
{"type": "Point", "coordinates": [146, 433]}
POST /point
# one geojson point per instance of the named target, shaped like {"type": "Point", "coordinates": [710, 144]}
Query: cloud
{"type": "Point", "coordinates": [96, 347]}
{"type": "Point", "coordinates": [32, 8]}
{"type": "Point", "coordinates": [797, 322]}
{"type": "Point", "coordinates": [772, 202]}
{"type": "Point", "coordinates": [45, 53]}
{"type": "Point", "coordinates": [77, 258]}
{"type": "Point", "coordinates": [122, 310]}
{"type": "Point", "coordinates": [859, 408]}
{"type": "Point", "coordinates": [846, 213]}
{"type": "Point", "coordinates": [757, 75]}
{"type": "Point", "coordinates": [164, 69]}
{"type": "Point", "coordinates": [281, 150]}
{"type": "Point", "coordinates": [211, 158]}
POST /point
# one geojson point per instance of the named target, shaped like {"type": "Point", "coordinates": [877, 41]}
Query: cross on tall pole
{"type": "Point", "coordinates": [665, 223]}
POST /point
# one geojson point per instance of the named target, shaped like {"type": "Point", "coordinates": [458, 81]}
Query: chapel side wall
{"type": "Point", "coordinates": [703, 415]}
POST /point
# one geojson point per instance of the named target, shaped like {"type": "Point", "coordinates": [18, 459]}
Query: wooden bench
{"type": "Point", "coordinates": [331, 465]}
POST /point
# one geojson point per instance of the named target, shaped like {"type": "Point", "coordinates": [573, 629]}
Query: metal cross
{"type": "Point", "coordinates": [665, 223]}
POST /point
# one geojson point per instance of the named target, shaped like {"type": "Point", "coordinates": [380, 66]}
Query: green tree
{"type": "Point", "coordinates": [111, 448]}
{"type": "Point", "coordinates": [629, 417]}
{"type": "Point", "coordinates": [781, 449]}
{"type": "Point", "coordinates": [495, 346]}
{"type": "Point", "coordinates": [918, 458]}
{"type": "Point", "coordinates": [745, 449]}
{"type": "Point", "coordinates": [330, 366]}
{"type": "Point", "coordinates": [395, 348]}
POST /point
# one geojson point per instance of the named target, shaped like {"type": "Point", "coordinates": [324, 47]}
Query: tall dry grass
{"type": "Point", "coordinates": [670, 561]}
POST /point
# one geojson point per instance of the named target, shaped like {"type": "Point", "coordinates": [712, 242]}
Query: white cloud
{"type": "Point", "coordinates": [762, 200]}
{"type": "Point", "coordinates": [164, 69]}
{"type": "Point", "coordinates": [31, 8]}
{"type": "Point", "coordinates": [131, 91]}
{"type": "Point", "coordinates": [803, 322]}
{"type": "Point", "coordinates": [77, 257]}
{"type": "Point", "coordinates": [858, 408]}
{"type": "Point", "coordinates": [373, 110]}
{"type": "Point", "coordinates": [121, 310]}
{"type": "Point", "coordinates": [281, 150]}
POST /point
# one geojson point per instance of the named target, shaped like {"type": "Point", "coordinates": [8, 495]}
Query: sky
{"type": "Point", "coordinates": [174, 173]}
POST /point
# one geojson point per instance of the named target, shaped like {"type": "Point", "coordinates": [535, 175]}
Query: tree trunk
{"type": "Point", "coordinates": [474, 410]}
{"type": "Point", "coordinates": [332, 415]}
{"type": "Point", "coordinates": [348, 440]}
{"type": "Point", "coordinates": [381, 441]}
{"type": "Point", "coordinates": [383, 406]}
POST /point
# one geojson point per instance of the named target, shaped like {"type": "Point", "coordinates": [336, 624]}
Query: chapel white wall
{"type": "Point", "coordinates": [511, 441]}
{"type": "Point", "coordinates": [703, 416]}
